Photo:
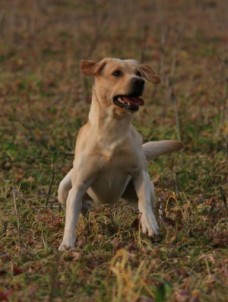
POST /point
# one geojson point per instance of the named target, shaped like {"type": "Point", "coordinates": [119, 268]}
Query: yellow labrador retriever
{"type": "Point", "coordinates": [110, 158]}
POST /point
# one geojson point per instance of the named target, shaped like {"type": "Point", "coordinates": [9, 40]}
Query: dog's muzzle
{"type": "Point", "coordinates": [133, 100]}
{"type": "Point", "coordinates": [128, 102]}
{"type": "Point", "coordinates": [138, 85]}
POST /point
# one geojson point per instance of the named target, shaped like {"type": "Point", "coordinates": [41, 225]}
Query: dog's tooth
{"type": "Point", "coordinates": [121, 100]}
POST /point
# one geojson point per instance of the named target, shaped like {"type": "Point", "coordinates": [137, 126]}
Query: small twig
{"type": "Point", "coordinates": [53, 279]}
{"type": "Point", "coordinates": [144, 43]}
{"type": "Point", "coordinates": [4, 227]}
{"type": "Point", "coordinates": [174, 63]}
{"type": "Point", "coordinates": [50, 187]}
{"type": "Point", "coordinates": [54, 206]}
{"type": "Point", "coordinates": [97, 35]}
{"type": "Point", "coordinates": [12, 117]}
{"type": "Point", "coordinates": [173, 97]}
{"type": "Point", "coordinates": [160, 210]}
{"type": "Point", "coordinates": [224, 79]}
{"type": "Point", "coordinates": [17, 216]}
{"type": "Point", "coordinates": [69, 153]}
{"type": "Point", "coordinates": [176, 185]}
{"type": "Point", "coordinates": [164, 40]}
{"type": "Point", "coordinates": [2, 18]}
{"type": "Point", "coordinates": [171, 94]}
{"type": "Point", "coordinates": [227, 148]}
{"type": "Point", "coordinates": [223, 196]}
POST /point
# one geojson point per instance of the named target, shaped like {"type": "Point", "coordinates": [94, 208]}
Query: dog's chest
{"type": "Point", "coordinates": [117, 155]}
{"type": "Point", "coordinates": [118, 164]}
{"type": "Point", "coordinates": [109, 186]}
{"type": "Point", "coordinates": [112, 152]}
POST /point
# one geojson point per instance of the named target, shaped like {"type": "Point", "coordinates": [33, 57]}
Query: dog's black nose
{"type": "Point", "coordinates": [138, 83]}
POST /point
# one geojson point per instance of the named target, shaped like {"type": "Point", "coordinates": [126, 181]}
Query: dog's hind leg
{"type": "Point", "coordinates": [86, 204]}
{"type": "Point", "coordinates": [129, 194]}
{"type": "Point", "coordinates": [64, 187]}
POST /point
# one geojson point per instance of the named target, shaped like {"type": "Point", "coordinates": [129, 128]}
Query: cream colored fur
{"type": "Point", "coordinates": [110, 158]}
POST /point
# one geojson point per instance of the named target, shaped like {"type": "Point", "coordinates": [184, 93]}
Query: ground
{"type": "Point", "coordinates": [44, 100]}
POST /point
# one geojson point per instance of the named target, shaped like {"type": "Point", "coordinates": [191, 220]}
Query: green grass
{"type": "Point", "coordinates": [44, 101]}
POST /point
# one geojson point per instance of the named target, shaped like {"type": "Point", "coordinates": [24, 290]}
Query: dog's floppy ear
{"type": "Point", "coordinates": [91, 67]}
{"type": "Point", "coordinates": [149, 73]}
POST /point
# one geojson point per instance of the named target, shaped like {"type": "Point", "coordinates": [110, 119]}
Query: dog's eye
{"type": "Point", "coordinates": [138, 73]}
{"type": "Point", "coordinates": [117, 73]}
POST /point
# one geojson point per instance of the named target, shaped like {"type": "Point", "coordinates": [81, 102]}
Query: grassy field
{"type": "Point", "coordinates": [43, 102]}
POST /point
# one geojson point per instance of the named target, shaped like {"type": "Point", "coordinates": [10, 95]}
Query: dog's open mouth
{"type": "Point", "coordinates": [128, 102]}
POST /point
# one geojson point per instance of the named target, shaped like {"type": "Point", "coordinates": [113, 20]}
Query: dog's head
{"type": "Point", "coordinates": [120, 82]}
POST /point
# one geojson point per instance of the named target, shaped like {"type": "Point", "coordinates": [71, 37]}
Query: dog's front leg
{"type": "Point", "coordinates": [73, 210]}
{"type": "Point", "coordinates": [64, 187]}
{"type": "Point", "coordinates": [146, 200]}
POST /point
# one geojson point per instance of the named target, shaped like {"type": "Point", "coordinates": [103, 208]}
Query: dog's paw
{"type": "Point", "coordinates": [149, 224]}
{"type": "Point", "coordinates": [61, 201]}
{"type": "Point", "coordinates": [62, 197]}
{"type": "Point", "coordinates": [65, 247]}
{"type": "Point", "coordinates": [68, 242]}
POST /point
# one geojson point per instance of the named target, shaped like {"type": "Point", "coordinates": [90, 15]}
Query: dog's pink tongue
{"type": "Point", "coordinates": [133, 100]}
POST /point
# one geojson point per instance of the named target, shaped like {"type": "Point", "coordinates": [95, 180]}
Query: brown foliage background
{"type": "Point", "coordinates": [43, 102]}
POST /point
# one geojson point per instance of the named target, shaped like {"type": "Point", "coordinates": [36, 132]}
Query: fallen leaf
{"type": "Point", "coordinates": [144, 299]}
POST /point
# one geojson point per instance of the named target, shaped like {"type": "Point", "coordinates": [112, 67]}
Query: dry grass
{"type": "Point", "coordinates": [44, 100]}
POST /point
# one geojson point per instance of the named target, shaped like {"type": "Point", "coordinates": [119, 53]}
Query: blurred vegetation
{"type": "Point", "coordinates": [44, 100]}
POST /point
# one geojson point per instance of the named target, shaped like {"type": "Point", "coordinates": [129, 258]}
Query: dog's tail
{"type": "Point", "coordinates": [155, 149]}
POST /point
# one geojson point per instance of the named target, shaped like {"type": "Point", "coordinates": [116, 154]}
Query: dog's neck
{"type": "Point", "coordinates": [106, 118]}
